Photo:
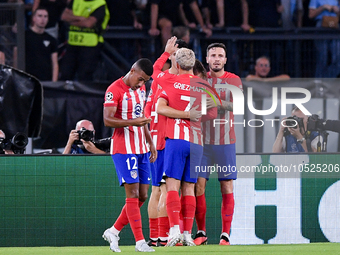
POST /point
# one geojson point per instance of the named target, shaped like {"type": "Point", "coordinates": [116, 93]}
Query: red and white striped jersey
{"type": "Point", "coordinates": [182, 95]}
{"type": "Point", "coordinates": [158, 123]}
{"type": "Point", "coordinates": [130, 104]}
{"type": "Point", "coordinates": [222, 133]}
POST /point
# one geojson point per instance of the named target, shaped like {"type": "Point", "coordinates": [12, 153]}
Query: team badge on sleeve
{"type": "Point", "coordinates": [109, 96]}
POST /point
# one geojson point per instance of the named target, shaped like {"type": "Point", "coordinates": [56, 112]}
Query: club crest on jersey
{"type": "Point", "coordinates": [109, 96]}
{"type": "Point", "coordinates": [134, 174]}
{"type": "Point", "coordinates": [138, 110]}
{"type": "Point", "coordinates": [142, 94]}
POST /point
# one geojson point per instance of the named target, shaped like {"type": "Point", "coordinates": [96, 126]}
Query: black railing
{"type": "Point", "coordinates": [290, 51]}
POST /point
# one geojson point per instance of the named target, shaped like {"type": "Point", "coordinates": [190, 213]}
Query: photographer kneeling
{"type": "Point", "coordinates": [297, 138]}
{"type": "Point", "coordinates": [81, 140]}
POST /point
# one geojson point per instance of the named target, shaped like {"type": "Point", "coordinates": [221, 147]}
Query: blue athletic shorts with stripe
{"type": "Point", "coordinates": [157, 169]}
{"type": "Point", "coordinates": [132, 168]}
{"type": "Point", "coordinates": [178, 155]}
{"type": "Point", "coordinates": [223, 158]}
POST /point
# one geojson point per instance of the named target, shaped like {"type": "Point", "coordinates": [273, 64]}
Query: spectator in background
{"type": "Point", "coordinates": [264, 14]}
{"type": "Point", "coordinates": [54, 8]}
{"type": "Point", "coordinates": [128, 13]}
{"type": "Point", "coordinates": [75, 145]}
{"type": "Point", "coordinates": [229, 13]}
{"type": "Point", "coordinates": [164, 15]}
{"type": "Point", "coordinates": [296, 139]}
{"type": "Point", "coordinates": [262, 69]}
{"type": "Point", "coordinates": [88, 20]}
{"type": "Point", "coordinates": [182, 32]}
{"type": "Point", "coordinates": [235, 14]}
{"type": "Point", "coordinates": [190, 15]}
{"type": "Point", "coordinates": [124, 13]}
{"type": "Point", "coordinates": [41, 49]}
{"type": "Point", "coordinates": [138, 10]}
{"type": "Point", "coordinates": [292, 14]}
{"type": "Point", "coordinates": [306, 21]}
{"type": "Point", "coordinates": [28, 11]}
{"type": "Point", "coordinates": [319, 10]}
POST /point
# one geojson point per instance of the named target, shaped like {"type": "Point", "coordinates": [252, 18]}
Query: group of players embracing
{"type": "Point", "coordinates": [180, 109]}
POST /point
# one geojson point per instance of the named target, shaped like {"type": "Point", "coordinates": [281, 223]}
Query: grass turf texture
{"type": "Point", "coordinates": [265, 249]}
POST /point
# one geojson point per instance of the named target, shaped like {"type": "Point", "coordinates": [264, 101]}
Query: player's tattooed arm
{"type": "Point", "coordinates": [228, 106]}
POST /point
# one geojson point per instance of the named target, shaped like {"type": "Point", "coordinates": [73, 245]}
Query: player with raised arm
{"type": "Point", "coordinates": [184, 142]}
{"type": "Point", "coordinates": [158, 218]}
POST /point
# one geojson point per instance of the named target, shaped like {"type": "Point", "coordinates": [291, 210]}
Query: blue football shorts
{"type": "Point", "coordinates": [222, 158]}
{"type": "Point", "coordinates": [132, 168]}
{"type": "Point", "coordinates": [157, 169]}
{"type": "Point", "coordinates": [178, 155]}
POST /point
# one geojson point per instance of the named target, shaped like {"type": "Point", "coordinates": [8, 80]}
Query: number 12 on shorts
{"type": "Point", "coordinates": [134, 166]}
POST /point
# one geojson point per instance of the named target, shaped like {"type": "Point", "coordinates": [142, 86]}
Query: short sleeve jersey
{"type": "Point", "coordinates": [222, 133]}
{"type": "Point", "coordinates": [130, 105]}
{"type": "Point", "coordinates": [158, 123]}
{"type": "Point", "coordinates": [179, 93]}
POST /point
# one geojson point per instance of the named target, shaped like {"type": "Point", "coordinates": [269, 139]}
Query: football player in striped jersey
{"type": "Point", "coordinates": [123, 110]}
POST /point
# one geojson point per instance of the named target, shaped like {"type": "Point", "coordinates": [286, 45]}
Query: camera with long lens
{"type": "Point", "coordinates": [86, 135]}
{"type": "Point", "coordinates": [103, 144]}
{"type": "Point", "coordinates": [17, 144]}
{"type": "Point", "coordinates": [314, 123]}
{"type": "Point", "coordinates": [293, 122]}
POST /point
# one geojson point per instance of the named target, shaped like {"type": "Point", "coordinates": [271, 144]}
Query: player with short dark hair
{"type": "Point", "coordinates": [199, 70]}
{"type": "Point", "coordinates": [123, 110]}
{"type": "Point", "coordinates": [219, 146]}
{"type": "Point", "coordinates": [144, 65]}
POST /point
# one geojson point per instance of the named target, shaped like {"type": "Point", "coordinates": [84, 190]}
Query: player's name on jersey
{"type": "Point", "coordinates": [187, 87]}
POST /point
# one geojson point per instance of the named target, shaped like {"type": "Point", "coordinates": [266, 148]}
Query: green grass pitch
{"type": "Point", "coordinates": [265, 249]}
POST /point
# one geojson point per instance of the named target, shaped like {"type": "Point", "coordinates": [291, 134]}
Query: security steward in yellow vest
{"type": "Point", "coordinates": [88, 20]}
